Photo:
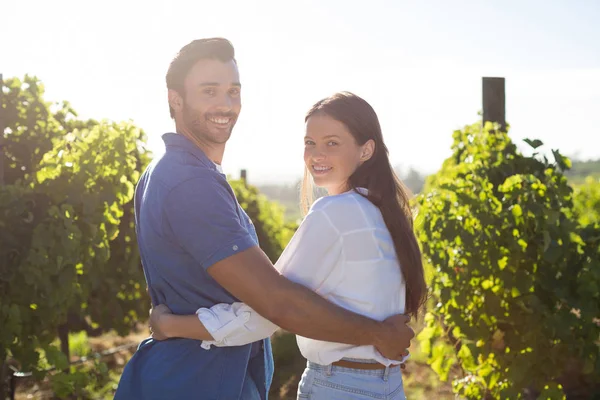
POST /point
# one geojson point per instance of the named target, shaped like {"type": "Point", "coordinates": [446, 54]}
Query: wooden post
{"type": "Point", "coordinates": [2, 126]}
{"type": "Point", "coordinates": [244, 176]}
{"type": "Point", "coordinates": [63, 335]}
{"type": "Point", "coordinates": [494, 101]}
{"type": "Point", "coordinates": [6, 379]}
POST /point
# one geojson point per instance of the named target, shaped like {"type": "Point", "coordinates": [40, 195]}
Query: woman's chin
{"type": "Point", "coordinates": [321, 182]}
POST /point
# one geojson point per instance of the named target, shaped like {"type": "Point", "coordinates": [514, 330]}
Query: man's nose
{"type": "Point", "coordinates": [224, 104]}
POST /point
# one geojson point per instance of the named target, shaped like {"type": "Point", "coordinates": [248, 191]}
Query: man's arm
{"type": "Point", "coordinates": [250, 276]}
{"type": "Point", "coordinates": [232, 258]}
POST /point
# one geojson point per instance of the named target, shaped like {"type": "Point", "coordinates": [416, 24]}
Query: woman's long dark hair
{"type": "Point", "coordinates": [385, 189]}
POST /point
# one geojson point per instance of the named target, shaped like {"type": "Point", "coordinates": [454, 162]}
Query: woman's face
{"type": "Point", "coordinates": [331, 153]}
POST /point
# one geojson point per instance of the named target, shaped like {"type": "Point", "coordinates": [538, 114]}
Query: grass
{"type": "Point", "coordinates": [79, 345]}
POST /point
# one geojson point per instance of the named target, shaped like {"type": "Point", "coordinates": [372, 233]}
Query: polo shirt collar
{"type": "Point", "coordinates": [178, 142]}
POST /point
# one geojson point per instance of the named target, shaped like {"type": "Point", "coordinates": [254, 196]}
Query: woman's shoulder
{"type": "Point", "coordinates": [346, 211]}
{"type": "Point", "coordinates": [349, 200]}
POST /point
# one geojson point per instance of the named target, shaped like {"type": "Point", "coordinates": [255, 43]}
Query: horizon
{"type": "Point", "coordinates": [419, 66]}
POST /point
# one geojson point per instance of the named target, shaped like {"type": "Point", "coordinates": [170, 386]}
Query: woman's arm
{"type": "Point", "coordinates": [222, 325]}
{"type": "Point", "coordinates": [164, 325]}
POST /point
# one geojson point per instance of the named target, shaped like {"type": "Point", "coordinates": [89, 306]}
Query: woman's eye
{"type": "Point", "coordinates": [308, 142]}
{"type": "Point", "coordinates": [332, 143]}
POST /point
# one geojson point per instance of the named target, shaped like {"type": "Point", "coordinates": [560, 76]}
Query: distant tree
{"type": "Point", "coordinates": [272, 230]}
{"type": "Point", "coordinates": [287, 195]}
{"type": "Point", "coordinates": [587, 201]}
{"type": "Point", "coordinates": [412, 178]}
{"type": "Point", "coordinates": [582, 169]}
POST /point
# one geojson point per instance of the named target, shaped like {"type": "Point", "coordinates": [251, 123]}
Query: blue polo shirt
{"type": "Point", "coordinates": [187, 219]}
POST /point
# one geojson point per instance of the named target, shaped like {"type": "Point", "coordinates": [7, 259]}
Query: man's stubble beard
{"type": "Point", "coordinates": [198, 128]}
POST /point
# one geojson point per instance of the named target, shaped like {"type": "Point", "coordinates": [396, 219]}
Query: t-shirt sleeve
{"type": "Point", "coordinates": [312, 258]}
{"type": "Point", "coordinates": [203, 218]}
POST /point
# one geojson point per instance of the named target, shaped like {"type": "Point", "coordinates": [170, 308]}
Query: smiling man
{"type": "Point", "coordinates": [199, 248]}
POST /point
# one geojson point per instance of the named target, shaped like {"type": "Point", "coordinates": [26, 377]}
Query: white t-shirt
{"type": "Point", "coordinates": [343, 251]}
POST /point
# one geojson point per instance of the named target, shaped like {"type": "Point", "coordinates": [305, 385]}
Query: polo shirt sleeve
{"type": "Point", "coordinates": [312, 258]}
{"type": "Point", "coordinates": [203, 218]}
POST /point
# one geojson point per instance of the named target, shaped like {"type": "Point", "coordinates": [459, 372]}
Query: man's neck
{"type": "Point", "coordinates": [213, 151]}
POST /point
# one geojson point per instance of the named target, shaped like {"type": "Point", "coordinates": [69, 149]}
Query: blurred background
{"type": "Point", "coordinates": [84, 105]}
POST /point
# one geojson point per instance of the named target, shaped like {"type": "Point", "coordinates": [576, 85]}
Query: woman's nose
{"type": "Point", "coordinates": [318, 155]}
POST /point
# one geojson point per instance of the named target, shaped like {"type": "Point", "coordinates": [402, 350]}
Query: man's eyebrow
{"type": "Point", "coordinates": [203, 84]}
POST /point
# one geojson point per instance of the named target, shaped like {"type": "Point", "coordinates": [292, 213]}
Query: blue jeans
{"type": "Point", "coordinates": [320, 382]}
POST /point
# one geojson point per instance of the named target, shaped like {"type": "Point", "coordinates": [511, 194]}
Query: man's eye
{"type": "Point", "coordinates": [209, 91]}
{"type": "Point", "coordinates": [234, 92]}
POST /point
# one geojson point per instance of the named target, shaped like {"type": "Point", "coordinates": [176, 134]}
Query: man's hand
{"type": "Point", "coordinates": [157, 328]}
{"type": "Point", "coordinates": [395, 337]}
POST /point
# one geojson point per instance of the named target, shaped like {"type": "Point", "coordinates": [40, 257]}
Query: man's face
{"type": "Point", "coordinates": [212, 101]}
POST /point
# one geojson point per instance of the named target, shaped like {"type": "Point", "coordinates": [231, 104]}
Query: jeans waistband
{"type": "Point", "coordinates": [328, 369]}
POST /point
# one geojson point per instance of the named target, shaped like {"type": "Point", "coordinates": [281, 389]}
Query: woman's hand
{"type": "Point", "coordinates": [157, 321]}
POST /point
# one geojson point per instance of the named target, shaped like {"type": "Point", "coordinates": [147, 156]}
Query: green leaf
{"type": "Point", "coordinates": [552, 391]}
{"type": "Point", "coordinates": [56, 357]}
{"type": "Point", "coordinates": [494, 377]}
{"type": "Point", "coordinates": [533, 143]}
{"type": "Point", "coordinates": [523, 244]}
{"type": "Point", "coordinates": [547, 240]}
{"type": "Point", "coordinates": [517, 211]}
{"type": "Point", "coordinates": [502, 263]}
{"type": "Point", "coordinates": [466, 357]}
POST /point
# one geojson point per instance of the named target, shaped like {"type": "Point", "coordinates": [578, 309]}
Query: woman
{"type": "Point", "coordinates": [355, 247]}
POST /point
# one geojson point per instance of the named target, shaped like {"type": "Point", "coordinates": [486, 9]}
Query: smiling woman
{"type": "Point", "coordinates": [345, 151]}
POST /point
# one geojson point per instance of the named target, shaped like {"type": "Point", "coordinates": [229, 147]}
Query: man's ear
{"type": "Point", "coordinates": [175, 100]}
{"type": "Point", "coordinates": [368, 149]}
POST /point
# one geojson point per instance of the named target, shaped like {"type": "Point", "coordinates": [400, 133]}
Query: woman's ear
{"type": "Point", "coordinates": [368, 149]}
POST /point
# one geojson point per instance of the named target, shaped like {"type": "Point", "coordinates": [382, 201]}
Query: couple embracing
{"type": "Point", "coordinates": [346, 283]}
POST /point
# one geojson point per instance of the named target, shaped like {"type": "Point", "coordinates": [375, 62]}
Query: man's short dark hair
{"type": "Point", "coordinates": [201, 49]}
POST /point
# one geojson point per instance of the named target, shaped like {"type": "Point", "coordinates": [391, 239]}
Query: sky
{"type": "Point", "coordinates": [418, 63]}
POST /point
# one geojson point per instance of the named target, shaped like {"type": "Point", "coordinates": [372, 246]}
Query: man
{"type": "Point", "coordinates": [199, 248]}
